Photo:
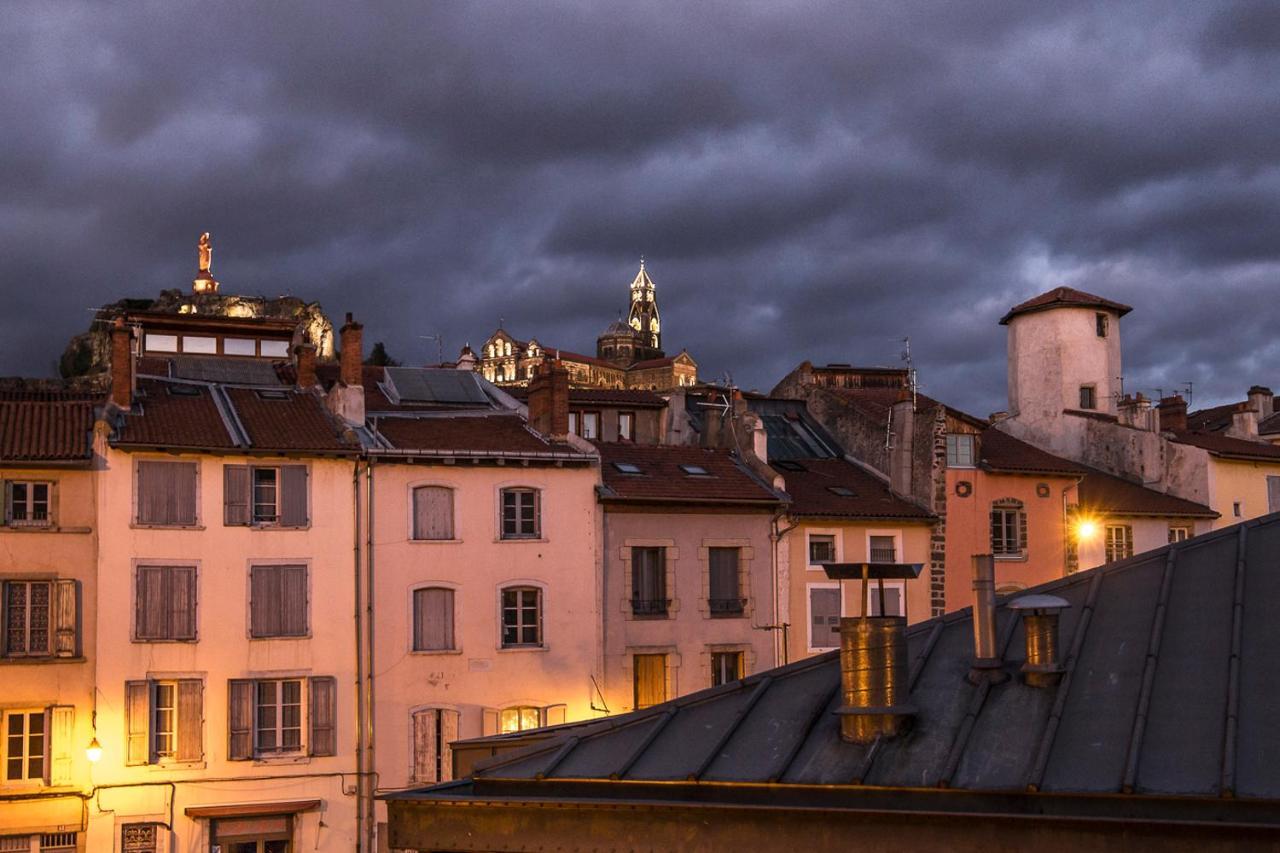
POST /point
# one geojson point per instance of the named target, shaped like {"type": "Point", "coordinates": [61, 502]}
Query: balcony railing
{"type": "Point", "coordinates": [727, 606]}
{"type": "Point", "coordinates": [650, 606]}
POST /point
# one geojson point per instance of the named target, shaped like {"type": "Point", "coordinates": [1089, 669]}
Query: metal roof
{"type": "Point", "coordinates": [1171, 688]}
{"type": "Point", "coordinates": [435, 385]}
{"type": "Point", "coordinates": [225, 370]}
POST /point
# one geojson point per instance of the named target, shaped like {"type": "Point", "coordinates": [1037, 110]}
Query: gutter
{"type": "Point", "coordinates": [480, 454]}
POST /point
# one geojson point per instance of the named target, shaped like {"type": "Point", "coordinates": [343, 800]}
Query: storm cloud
{"type": "Point", "coordinates": [805, 181]}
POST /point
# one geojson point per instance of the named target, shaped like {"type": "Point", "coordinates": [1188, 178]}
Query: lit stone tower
{"type": "Point", "coordinates": [204, 281]}
{"type": "Point", "coordinates": [643, 316]}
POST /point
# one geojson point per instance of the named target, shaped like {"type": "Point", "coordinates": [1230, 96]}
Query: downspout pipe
{"type": "Point", "coordinates": [359, 698]}
{"type": "Point", "coordinates": [371, 810]}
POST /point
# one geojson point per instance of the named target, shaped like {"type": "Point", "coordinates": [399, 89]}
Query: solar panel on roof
{"type": "Point", "coordinates": [425, 385]}
{"type": "Point", "coordinates": [232, 371]}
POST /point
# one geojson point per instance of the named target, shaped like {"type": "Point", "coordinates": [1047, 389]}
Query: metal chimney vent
{"type": "Point", "coordinates": [1040, 623]}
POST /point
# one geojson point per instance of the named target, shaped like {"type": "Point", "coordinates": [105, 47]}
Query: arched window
{"type": "Point", "coordinates": [432, 512]}
{"type": "Point", "coordinates": [1008, 529]}
{"type": "Point", "coordinates": [506, 348]}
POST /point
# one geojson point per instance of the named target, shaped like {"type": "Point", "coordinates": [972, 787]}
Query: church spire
{"type": "Point", "coordinates": [643, 315]}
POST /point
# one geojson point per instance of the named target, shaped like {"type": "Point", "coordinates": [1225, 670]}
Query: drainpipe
{"type": "Point", "coordinates": [1066, 528]}
{"type": "Point", "coordinates": [371, 824]}
{"type": "Point", "coordinates": [360, 776]}
{"type": "Point", "coordinates": [779, 657]}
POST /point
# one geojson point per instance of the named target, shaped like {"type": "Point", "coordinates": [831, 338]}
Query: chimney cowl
{"type": "Point", "coordinates": [873, 677]}
{"type": "Point", "coordinates": [987, 664]}
{"type": "Point", "coordinates": [1043, 667]}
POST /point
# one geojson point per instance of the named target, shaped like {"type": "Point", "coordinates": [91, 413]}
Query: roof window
{"type": "Point", "coordinates": [842, 491]}
{"type": "Point", "coordinates": [627, 468]}
{"type": "Point", "coordinates": [184, 390]}
{"type": "Point", "coordinates": [787, 465]}
{"type": "Point", "coordinates": [273, 395]}
{"type": "Point", "coordinates": [695, 470]}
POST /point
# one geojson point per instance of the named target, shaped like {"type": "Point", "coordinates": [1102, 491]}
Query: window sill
{"type": "Point", "coordinates": [742, 615]}
{"type": "Point", "coordinates": [40, 661]}
{"type": "Point", "coordinates": [52, 528]}
{"type": "Point", "coordinates": [1011, 558]}
{"type": "Point", "coordinates": [276, 760]}
{"type": "Point", "coordinates": [261, 526]}
{"type": "Point", "coordinates": [139, 526]}
{"type": "Point", "coordinates": [518, 649]}
{"type": "Point", "coordinates": [509, 540]}
{"type": "Point", "coordinates": [166, 766]}
{"type": "Point", "coordinates": [285, 637]}
{"type": "Point", "coordinates": [814, 568]}
{"type": "Point", "coordinates": [438, 541]}
{"type": "Point", "coordinates": [192, 641]}
{"type": "Point", "coordinates": [435, 652]}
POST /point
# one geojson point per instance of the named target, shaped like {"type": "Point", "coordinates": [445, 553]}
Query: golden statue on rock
{"type": "Point", "coordinates": [204, 281]}
{"type": "Point", "coordinates": [206, 252]}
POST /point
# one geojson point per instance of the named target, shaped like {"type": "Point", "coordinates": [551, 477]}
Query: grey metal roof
{"type": "Point", "coordinates": [225, 370]}
{"type": "Point", "coordinates": [792, 432]}
{"type": "Point", "coordinates": [435, 385]}
{"type": "Point", "coordinates": [1172, 688]}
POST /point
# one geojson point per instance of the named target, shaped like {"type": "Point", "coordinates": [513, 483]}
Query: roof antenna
{"type": "Point", "coordinates": [911, 370]}
{"type": "Point", "coordinates": [1188, 392]}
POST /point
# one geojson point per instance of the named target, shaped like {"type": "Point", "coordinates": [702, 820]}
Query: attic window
{"type": "Point", "coordinates": [274, 395]}
{"type": "Point", "coordinates": [695, 470]}
{"type": "Point", "coordinates": [184, 390]}
{"type": "Point", "coordinates": [627, 468]}
{"type": "Point", "coordinates": [788, 465]}
{"type": "Point", "coordinates": [842, 491]}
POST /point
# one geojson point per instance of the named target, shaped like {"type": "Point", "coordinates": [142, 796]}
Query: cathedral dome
{"type": "Point", "coordinates": [617, 327]}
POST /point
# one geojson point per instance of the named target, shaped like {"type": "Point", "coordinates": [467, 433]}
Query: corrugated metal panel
{"type": "Point", "coordinates": [424, 385]}
{"type": "Point", "coordinates": [225, 370]}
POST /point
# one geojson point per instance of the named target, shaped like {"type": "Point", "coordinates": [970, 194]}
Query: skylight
{"type": "Point", "coordinates": [788, 465]}
{"type": "Point", "coordinates": [274, 395]}
{"type": "Point", "coordinates": [627, 468]}
{"type": "Point", "coordinates": [695, 470]}
{"type": "Point", "coordinates": [184, 390]}
{"type": "Point", "coordinates": [842, 491]}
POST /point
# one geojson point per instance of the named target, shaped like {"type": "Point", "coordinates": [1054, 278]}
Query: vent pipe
{"type": "Point", "coordinates": [1040, 624]}
{"type": "Point", "coordinates": [986, 657]}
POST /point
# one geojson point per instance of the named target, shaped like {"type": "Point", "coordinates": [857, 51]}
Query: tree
{"type": "Point", "coordinates": [379, 357]}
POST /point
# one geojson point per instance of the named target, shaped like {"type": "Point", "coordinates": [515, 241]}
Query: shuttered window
{"type": "Point", "coordinates": [278, 601]}
{"type": "Point", "coordinates": [824, 617]}
{"type": "Point", "coordinates": [432, 619]}
{"type": "Point", "coordinates": [650, 680]}
{"type": "Point", "coordinates": [520, 514]}
{"type": "Point", "coordinates": [726, 584]}
{"type": "Point", "coordinates": [521, 616]}
{"type": "Point", "coordinates": [649, 581]}
{"type": "Point", "coordinates": [165, 603]}
{"type": "Point", "coordinates": [1119, 542]}
{"type": "Point", "coordinates": [434, 731]}
{"type": "Point", "coordinates": [41, 618]}
{"type": "Point", "coordinates": [166, 493]}
{"type": "Point", "coordinates": [432, 512]}
{"type": "Point", "coordinates": [28, 504]}
{"type": "Point", "coordinates": [276, 717]}
{"type": "Point", "coordinates": [265, 495]}
{"type": "Point", "coordinates": [1273, 494]}
{"type": "Point", "coordinates": [1008, 529]}
{"type": "Point", "coordinates": [25, 735]}
{"type": "Point", "coordinates": [164, 721]}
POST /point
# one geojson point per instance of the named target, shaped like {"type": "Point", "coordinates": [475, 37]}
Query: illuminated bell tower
{"type": "Point", "coordinates": [643, 317]}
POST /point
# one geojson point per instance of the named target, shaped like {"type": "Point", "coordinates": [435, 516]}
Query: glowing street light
{"type": "Point", "coordinates": [1086, 528]}
{"type": "Point", "coordinates": [93, 751]}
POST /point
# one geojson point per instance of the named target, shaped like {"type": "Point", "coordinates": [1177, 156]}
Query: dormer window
{"type": "Point", "coordinates": [959, 451]}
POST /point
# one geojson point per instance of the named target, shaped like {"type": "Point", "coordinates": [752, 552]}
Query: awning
{"type": "Point", "coordinates": [46, 814]}
{"type": "Point", "coordinates": [252, 809]}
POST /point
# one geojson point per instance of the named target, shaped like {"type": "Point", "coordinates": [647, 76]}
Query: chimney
{"type": "Point", "coordinates": [352, 337]}
{"type": "Point", "coordinates": [346, 398]}
{"type": "Point", "coordinates": [902, 435]}
{"type": "Point", "coordinates": [986, 657]}
{"type": "Point", "coordinates": [549, 399]}
{"type": "Point", "coordinates": [1173, 414]}
{"type": "Point", "coordinates": [1135, 411]}
{"type": "Point", "coordinates": [873, 677]}
{"type": "Point", "coordinates": [1040, 624]}
{"type": "Point", "coordinates": [122, 377]}
{"type": "Point", "coordinates": [305, 359]}
{"type": "Point", "coordinates": [1262, 401]}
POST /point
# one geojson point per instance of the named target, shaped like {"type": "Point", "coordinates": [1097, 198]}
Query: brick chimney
{"type": "Point", "coordinates": [305, 360]}
{"type": "Point", "coordinates": [351, 336]}
{"type": "Point", "coordinates": [122, 377]}
{"type": "Point", "coordinates": [1262, 401]}
{"type": "Point", "coordinates": [1173, 414]}
{"type": "Point", "coordinates": [346, 398]}
{"type": "Point", "coordinates": [549, 399]}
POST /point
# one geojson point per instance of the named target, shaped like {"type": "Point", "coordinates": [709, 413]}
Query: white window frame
{"type": "Point", "coordinates": [1109, 551]}
{"type": "Point", "coordinates": [808, 611]}
{"type": "Point", "coordinates": [1018, 511]}
{"type": "Point", "coordinates": [254, 518]}
{"type": "Point", "coordinates": [30, 502]}
{"type": "Point", "coordinates": [518, 536]}
{"type": "Point", "coordinates": [629, 433]}
{"type": "Point", "coordinates": [27, 754]}
{"type": "Point", "coordinates": [838, 541]}
{"type": "Point", "coordinates": [873, 596]}
{"type": "Point", "coordinates": [542, 616]}
{"type": "Point", "coordinates": [1180, 533]}
{"type": "Point", "coordinates": [972, 441]}
{"type": "Point", "coordinates": [895, 534]}
{"type": "Point", "coordinates": [742, 665]}
{"type": "Point", "coordinates": [304, 718]}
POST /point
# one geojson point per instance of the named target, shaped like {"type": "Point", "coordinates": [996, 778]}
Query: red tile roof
{"type": "Point", "coordinates": [468, 434]}
{"type": "Point", "coordinates": [1269, 425]}
{"type": "Point", "coordinates": [1216, 418]}
{"type": "Point", "coordinates": [1064, 297]}
{"type": "Point", "coordinates": [1107, 494]}
{"type": "Point", "coordinates": [811, 494]}
{"type": "Point", "coordinates": [45, 427]}
{"type": "Point", "coordinates": [663, 480]}
{"type": "Point", "coordinates": [999, 451]}
{"type": "Point", "coordinates": [1228, 447]}
{"type": "Point", "coordinates": [193, 419]}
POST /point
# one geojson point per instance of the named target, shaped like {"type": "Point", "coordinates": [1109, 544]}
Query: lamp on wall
{"type": "Point", "coordinates": [1086, 528]}
{"type": "Point", "coordinates": [93, 751]}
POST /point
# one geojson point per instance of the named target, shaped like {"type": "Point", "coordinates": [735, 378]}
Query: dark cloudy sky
{"type": "Point", "coordinates": [805, 180]}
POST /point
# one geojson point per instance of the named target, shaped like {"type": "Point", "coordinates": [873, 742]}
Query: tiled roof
{"type": "Point", "coordinates": [495, 434]}
{"type": "Point", "coordinates": [206, 416]}
{"type": "Point", "coordinates": [1214, 419]}
{"type": "Point", "coordinates": [1108, 494]}
{"type": "Point", "coordinates": [1229, 448]}
{"type": "Point", "coordinates": [662, 479]}
{"type": "Point", "coordinates": [1167, 702]}
{"type": "Point", "coordinates": [812, 496]}
{"type": "Point", "coordinates": [1269, 425]}
{"type": "Point", "coordinates": [999, 451]}
{"type": "Point", "coordinates": [45, 427]}
{"type": "Point", "coordinates": [1064, 297]}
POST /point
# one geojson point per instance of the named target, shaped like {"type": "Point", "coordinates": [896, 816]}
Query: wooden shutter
{"type": "Point", "coordinates": [149, 606]}
{"type": "Point", "coordinates": [424, 745]}
{"type": "Point", "coordinates": [137, 709]}
{"type": "Point", "coordinates": [650, 680]}
{"type": "Point", "coordinates": [66, 618]}
{"type": "Point", "coordinates": [190, 720]}
{"type": "Point", "coordinates": [824, 617]}
{"type": "Point", "coordinates": [323, 713]}
{"type": "Point", "coordinates": [7, 512]}
{"type": "Point", "coordinates": [264, 601]}
{"type": "Point", "coordinates": [182, 602]}
{"type": "Point", "coordinates": [432, 512]}
{"type": "Point", "coordinates": [61, 744]}
{"type": "Point", "coordinates": [240, 720]}
{"type": "Point", "coordinates": [293, 496]}
{"type": "Point", "coordinates": [293, 600]}
{"type": "Point", "coordinates": [555, 715]}
{"type": "Point", "coordinates": [489, 724]}
{"type": "Point", "coordinates": [1273, 494]}
{"type": "Point", "coordinates": [166, 492]}
{"type": "Point", "coordinates": [1128, 541]}
{"type": "Point", "coordinates": [1022, 533]}
{"type": "Point", "coordinates": [235, 495]}
{"type": "Point", "coordinates": [448, 734]}
{"type": "Point", "coordinates": [433, 619]}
